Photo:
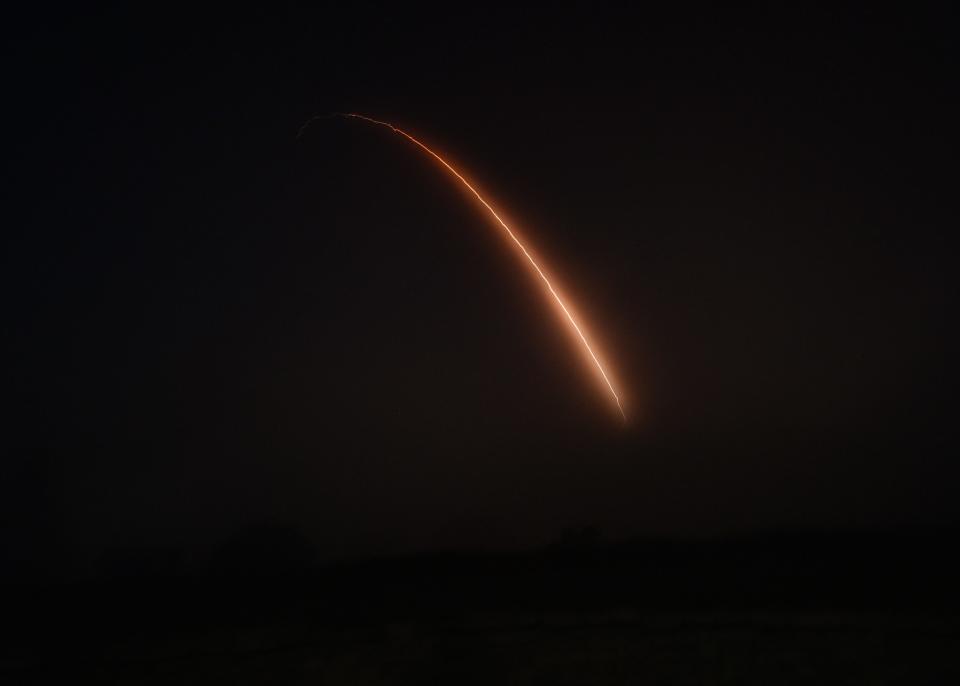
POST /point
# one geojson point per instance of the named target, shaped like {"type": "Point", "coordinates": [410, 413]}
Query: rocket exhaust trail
{"type": "Point", "coordinates": [513, 237]}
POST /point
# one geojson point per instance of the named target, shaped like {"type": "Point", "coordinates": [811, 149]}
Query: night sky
{"type": "Point", "coordinates": [209, 323]}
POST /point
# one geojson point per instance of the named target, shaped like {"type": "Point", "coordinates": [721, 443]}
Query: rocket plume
{"type": "Point", "coordinates": [513, 237]}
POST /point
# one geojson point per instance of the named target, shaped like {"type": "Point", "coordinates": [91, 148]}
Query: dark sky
{"type": "Point", "coordinates": [209, 323]}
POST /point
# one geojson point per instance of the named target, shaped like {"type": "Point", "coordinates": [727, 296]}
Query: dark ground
{"type": "Point", "coordinates": [812, 609]}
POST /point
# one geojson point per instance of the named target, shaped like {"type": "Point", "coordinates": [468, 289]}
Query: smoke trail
{"type": "Point", "coordinates": [510, 234]}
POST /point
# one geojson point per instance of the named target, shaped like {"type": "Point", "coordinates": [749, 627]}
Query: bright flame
{"type": "Point", "coordinates": [513, 237]}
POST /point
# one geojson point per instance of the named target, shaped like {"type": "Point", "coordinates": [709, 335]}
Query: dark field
{"type": "Point", "coordinates": [618, 647]}
{"type": "Point", "coordinates": [851, 610]}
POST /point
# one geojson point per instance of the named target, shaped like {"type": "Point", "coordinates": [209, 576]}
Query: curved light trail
{"type": "Point", "coordinates": [556, 296]}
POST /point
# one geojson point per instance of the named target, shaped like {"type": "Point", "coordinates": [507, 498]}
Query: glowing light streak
{"type": "Point", "coordinates": [513, 237]}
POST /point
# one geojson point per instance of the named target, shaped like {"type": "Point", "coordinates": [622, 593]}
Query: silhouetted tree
{"type": "Point", "coordinates": [264, 550]}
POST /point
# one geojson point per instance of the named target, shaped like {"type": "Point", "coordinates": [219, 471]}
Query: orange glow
{"type": "Point", "coordinates": [566, 311]}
